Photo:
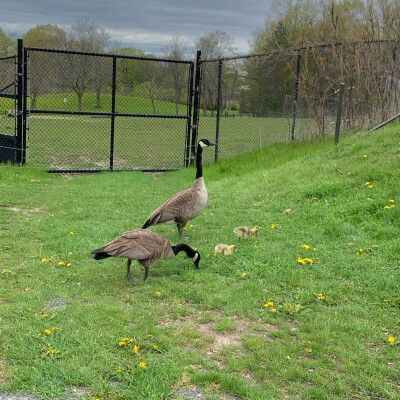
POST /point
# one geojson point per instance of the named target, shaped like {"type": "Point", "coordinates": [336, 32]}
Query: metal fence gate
{"type": "Point", "coordinates": [11, 118]}
{"type": "Point", "coordinates": [92, 112]}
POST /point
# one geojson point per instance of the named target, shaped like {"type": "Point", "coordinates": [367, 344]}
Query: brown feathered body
{"type": "Point", "coordinates": [182, 206]}
{"type": "Point", "coordinates": [142, 245]}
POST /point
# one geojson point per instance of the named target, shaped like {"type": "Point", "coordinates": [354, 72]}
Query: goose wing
{"type": "Point", "coordinates": [139, 244]}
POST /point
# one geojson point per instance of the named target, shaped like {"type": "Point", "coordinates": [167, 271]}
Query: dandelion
{"type": "Point", "coordinates": [155, 347]}
{"type": "Point", "coordinates": [269, 304]}
{"type": "Point", "coordinates": [121, 343]}
{"type": "Point", "coordinates": [51, 352]}
{"type": "Point", "coordinates": [68, 265]}
{"type": "Point", "coordinates": [72, 233]}
{"type": "Point", "coordinates": [273, 309]}
{"type": "Point", "coordinates": [391, 201]}
{"type": "Point", "coordinates": [135, 348]}
{"type": "Point", "coordinates": [365, 156]}
{"type": "Point", "coordinates": [44, 260]}
{"type": "Point", "coordinates": [367, 183]}
{"type": "Point", "coordinates": [244, 275]}
{"type": "Point", "coordinates": [61, 263]}
{"type": "Point", "coordinates": [320, 296]}
{"type": "Point", "coordinates": [158, 293]}
{"type": "Point", "coordinates": [391, 339]}
{"type": "Point", "coordinates": [119, 370]}
{"type": "Point", "coordinates": [273, 226]}
{"type": "Point", "coordinates": [301, 261]}
{"type": "Point", "coordinates": [47, 332]}
{"type": "Point", "coordinates": [370, 186]}
{"type": "Point", "coordinates": [6, 271]}
{"type": "Point", "coordinates": [191, 226]}
{"type": "Point", "coordinates": [305, 246]}
{"type": "Point", "coordinates": [142, 365]}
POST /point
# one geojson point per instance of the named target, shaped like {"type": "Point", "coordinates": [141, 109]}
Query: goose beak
{"type": "Point", "coordinates": [196, 264]}
{"type": "Point", "coordinates": [212, 143]}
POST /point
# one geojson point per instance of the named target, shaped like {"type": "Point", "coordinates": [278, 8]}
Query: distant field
{"type": "Point", "coordinates": [57, 141]}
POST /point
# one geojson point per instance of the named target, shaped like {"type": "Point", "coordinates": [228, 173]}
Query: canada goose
{"type": "Point", "coordinates": [187, 204]}
{"type": "Point", "coordinates": [243, 232]}
{"type": "Point", "coordinates": [225, 249]}
{"type": "Point", "coordinates": [145, 246]}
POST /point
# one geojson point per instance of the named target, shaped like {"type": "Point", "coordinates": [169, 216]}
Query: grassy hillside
{"type": "Point", "coordinates": [309, 309]}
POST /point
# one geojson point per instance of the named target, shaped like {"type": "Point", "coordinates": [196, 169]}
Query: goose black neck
{"type": "Point", "coordinates": [199, 164]}
{"type": "Point", "coordinates": [184, 247]}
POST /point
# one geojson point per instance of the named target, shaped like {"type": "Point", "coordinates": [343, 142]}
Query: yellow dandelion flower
{"type": "Point", "coordinates": [320, 296]}
{"type": "Point", "coordinates": [301, 261]}
{"type": "Point", "coordinates": [191, 226]}
{"type": "Point", "coordinates": [370, 186]}
{"type": "Point", "coordinates": [132, 340]}
{"type": "Point", "coordinates": [391, 339]}
{"type": "Point", "coordinates": [367, 183]}
{"type": "Point", "coordinates": [244, 274]}
{"type": "Point", "coordinates": [273, 226]}
{"type": "Point", "coordinates": [269, 304]}
{"type": "Point", "coordinates": [273, 309]}
{"type": "Point", "coordinates": [305, 246]}
{"type": "Point", "coordinates": [121, 343]}
{"type": "Point", "coordinates": [72, 233]}
{"type": "Point", "coordinates": [155, 347]}
{"type": "Point", "coordinates": [61, 263]}
{"type": "Point", "coordinates": [47, 332]}
{"type": "Point", "coordinates": [158, 293]}
{"type": "Point", "coordinates": [142, 365]}
{"type": "Point", "coordinates": [44, 259]}
{"type": "Point", "coordinates": [308, 260]}
{"type": "Point", "coordinates": [365, 156]}
{"type": "Point", "coordinates": [135, 348]}
{"type": "Point", "coordinates": [119, 370]}
{"type": "Point", "coordinates": [68, 265]}
{"type": "Point", "coordinates": [391, 201]}
{"type": "Point", "coordinates": [386, 208]}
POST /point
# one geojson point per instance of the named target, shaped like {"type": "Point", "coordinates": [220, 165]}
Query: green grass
{"type": "Point", "coordinates": [325, 336]}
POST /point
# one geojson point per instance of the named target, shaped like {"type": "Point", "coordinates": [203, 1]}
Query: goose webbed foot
{"type": "Point", "coordinates": [132, 278]}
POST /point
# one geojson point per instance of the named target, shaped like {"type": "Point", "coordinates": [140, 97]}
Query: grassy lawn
{"type": "Point", "coordinates": [309, 309]}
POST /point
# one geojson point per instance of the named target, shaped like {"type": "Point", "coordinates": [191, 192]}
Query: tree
{"type": "Point", "coordinates": [6, 44]}
{"type": "Point", "coordinates": [87, 71]}
{"type": "Point", "coordinates": [43, 69]}
{"type": "Point", "coordinates": [214, 45]}
{"type": "Point", "coordinates": [176, 49]}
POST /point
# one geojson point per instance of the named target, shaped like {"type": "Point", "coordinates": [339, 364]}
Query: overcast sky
{"type": "Point", "coordinates": [144, 24]}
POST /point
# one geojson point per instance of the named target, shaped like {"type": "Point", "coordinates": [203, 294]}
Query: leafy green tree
{"type": "Point", "coordinates": [6, 44]}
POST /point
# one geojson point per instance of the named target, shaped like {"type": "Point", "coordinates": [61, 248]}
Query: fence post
{"type": "Point", "coordinates": [339, 113]}
{"type": "Point", "coordinates": [196, 107]}
{"type": "Point", "coordinates": [20, 87]}
{"type": "Point", "coordinates": [114, 79]}
{"type": "Point", "coordinates": [218, 109]}
{"type": "Point", "coordinates": [296, 94]}
{"type": "Point", "coordinates": [189, 116]}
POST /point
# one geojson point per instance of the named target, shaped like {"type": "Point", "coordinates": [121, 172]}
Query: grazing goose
{"type": "Point", "coordinates": [187, 204]}
{"type": "Point", "coordinates": [225, 249]}
{"type": "Point", "coordinates": [243, 232]}
{"type": "Point", "coordinates": [145, 246]}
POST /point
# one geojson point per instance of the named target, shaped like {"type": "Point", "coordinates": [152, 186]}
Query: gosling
{"type": "Point", "coordinates": [224, 249]}
{"type": "Point", "coordinates": [243, 232]}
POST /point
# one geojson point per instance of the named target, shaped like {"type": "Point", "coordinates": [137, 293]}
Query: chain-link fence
{"type": "Point", "coordinates": [255, 100]}
{"type": "Point", "coordinates": [95, 111]}
{"type": "Point", "coordinates": [8, 119]}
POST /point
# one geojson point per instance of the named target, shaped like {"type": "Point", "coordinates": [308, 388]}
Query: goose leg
{"type": "Point", "coordinates": [180, 230]}
{"type": "Point", "coordinates": [128, 272]}
{"type": "Point", "coordinates": [146, 272]}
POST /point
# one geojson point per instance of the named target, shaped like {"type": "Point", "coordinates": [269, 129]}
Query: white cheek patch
{"type": "Point", "coordinates": [195, 257]}
{"type": "Point", "coordinates": [202, 145]}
